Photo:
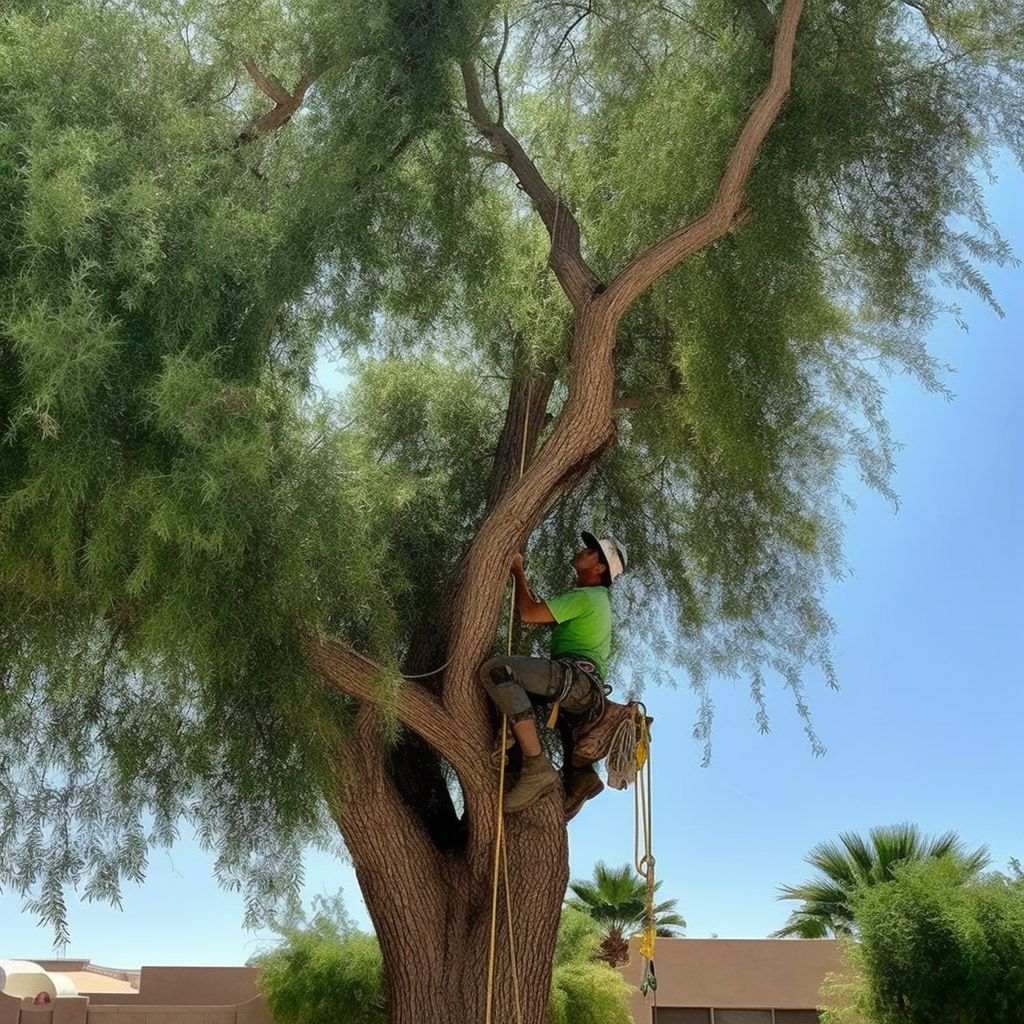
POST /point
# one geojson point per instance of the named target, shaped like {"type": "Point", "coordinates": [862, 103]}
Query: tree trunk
{"type": "Point", "coordinates": [436, 964]}
{"type": "Point", "coordinates": [432, 910]}
{"type": "Point", "coordinates": [430, 901]}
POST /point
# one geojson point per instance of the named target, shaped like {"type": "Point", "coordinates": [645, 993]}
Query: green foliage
{"type": "Point", "coordinates": [854, 864]}
{"type": "Point", "coordinates": [616, 901]}
{"type": "Point", "coordinates": [175, 510]}
{"type": "Point", "coordinates": [936, 946]}
{"type": "Point", "coordinates": [579, 938]}
{"type": "Point", "coordinates": [179, 505]}
{"type": "Point", "coordinates": [591, 993]}
{"type": "Point", "coordinates": [583, 988]}
{"type": "Point", "coordinates": [324, 971]}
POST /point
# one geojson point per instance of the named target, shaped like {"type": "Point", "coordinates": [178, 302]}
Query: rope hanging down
{"type": "Point", "coordinates": [500, 850]}
{"type": "Point", "coordinates": [629, 761]}
{"type": "Point", "coordinates": [642, 834]}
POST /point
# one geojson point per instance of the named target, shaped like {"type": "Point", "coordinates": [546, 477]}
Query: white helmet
{"type": "Point", "coordinates": [613, 554]}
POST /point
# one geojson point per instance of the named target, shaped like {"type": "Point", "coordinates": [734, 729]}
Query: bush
{"type": "Point", "coordinates": [321, 980]}
{"type": "Point", "coordinates": [584, 989]}
{"type": "Point", "coordinates": [325, 971]}
{"type": "Point", "coordinates": [935, 948]}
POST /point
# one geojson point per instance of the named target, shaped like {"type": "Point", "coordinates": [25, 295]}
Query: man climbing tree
{"type": "Point", "coordinates": [667, 249]}
{"type": "Point", "coordinates": [573, 676]}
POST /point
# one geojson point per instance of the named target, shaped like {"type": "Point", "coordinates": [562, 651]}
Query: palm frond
{"type": "Point", "coordinates": [853, 862]}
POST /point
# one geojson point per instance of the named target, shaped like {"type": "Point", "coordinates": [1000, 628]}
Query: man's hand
{"type": "Point", "coordinates": [529, 608]}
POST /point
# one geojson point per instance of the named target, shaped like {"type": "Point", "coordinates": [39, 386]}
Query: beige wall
{"type": "Point", "coordinates": [780, 974]}
{"type": "Point", "coordinates": [770, 974]}
{"type": "Point", "coordinates": [167, 995]}
{"type": "Point", "coordinates": [188, 985]}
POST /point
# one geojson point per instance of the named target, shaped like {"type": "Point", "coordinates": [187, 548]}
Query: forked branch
{"type": "Point", "coordinates": [286, 103]}
{"type": "Point", "coordinates": [728, 209]}
{"type": "Point", "coordinates": [578, 281]}
{"type": "Point", "coordinates": [415, 707]}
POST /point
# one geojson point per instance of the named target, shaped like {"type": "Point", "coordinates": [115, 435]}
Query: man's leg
{"type": "Point", "coordinates": [510, 681]}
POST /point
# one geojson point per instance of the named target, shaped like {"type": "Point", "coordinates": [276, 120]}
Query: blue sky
{"type": "Point", "coordinates": [927, 727]}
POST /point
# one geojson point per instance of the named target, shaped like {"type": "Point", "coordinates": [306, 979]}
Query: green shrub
{"type": "Point", "coordinates": [588, 993]}
{"type": "Point", "coordinates": [934, 948]}
{"type": "Point", "coordinates": [584, 990]}
{"type": "Point", "coordinates": [317, 978]}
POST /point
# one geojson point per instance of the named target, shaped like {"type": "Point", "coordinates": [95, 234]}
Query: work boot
{"type": "Point", "coordinates": [586, 784]}
{"type": "Point", "coordinates": [537, 778]}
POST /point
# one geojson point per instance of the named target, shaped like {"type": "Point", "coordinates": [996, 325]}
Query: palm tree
{"type": "Point", "coordinates": [617, 900]}
{"type": "Point", "coordinates": [853, 862]}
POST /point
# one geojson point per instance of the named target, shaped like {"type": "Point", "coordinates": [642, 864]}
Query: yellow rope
{"type": "Point", "coordinates": [511, 934]}
{"type": "Point", "coordinates": [499, 845]}
{"type": "Point", "coordinates": [500, 851]}
{"type": "Point", "coordinates": [644, 863]}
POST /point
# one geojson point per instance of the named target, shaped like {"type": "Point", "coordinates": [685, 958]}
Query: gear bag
{"type": "Point", "coordinates": [594, 736]}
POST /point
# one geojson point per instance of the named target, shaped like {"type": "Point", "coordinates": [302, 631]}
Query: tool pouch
{"type": "Point", "coordinates": [594, 736]}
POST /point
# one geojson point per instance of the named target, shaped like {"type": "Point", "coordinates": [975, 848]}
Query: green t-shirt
{"type": "Point", "coordinates": [584, 618]}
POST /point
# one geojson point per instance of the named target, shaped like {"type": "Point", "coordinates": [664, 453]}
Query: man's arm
{"type": "Point", "coordinates": [530, 610]}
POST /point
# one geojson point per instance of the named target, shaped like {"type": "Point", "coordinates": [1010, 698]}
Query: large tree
{"type": "Point", "coordinates": [668, 250]}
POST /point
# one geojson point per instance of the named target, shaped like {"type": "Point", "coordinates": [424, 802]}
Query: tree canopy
{"type": "Point", "coordinates": [199, 200]}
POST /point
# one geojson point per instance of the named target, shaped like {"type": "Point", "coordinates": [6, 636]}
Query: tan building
{"type": "Point", "coordinates": [734, 981]}
{"type": "Point", "coordinates": [154, 995]}
{"type": "Point", "coordinates": [700, 981]}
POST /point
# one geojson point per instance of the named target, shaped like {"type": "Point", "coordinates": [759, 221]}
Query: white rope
{"type": "Point", "coordinates": [432, 672]}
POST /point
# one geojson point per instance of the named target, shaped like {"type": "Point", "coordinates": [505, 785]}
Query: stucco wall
{"type": "Point", "coordinates": [167, 995]}
{"type": "Point", "coordinates": [779, 974]}
{"type": "Point", "coordinates": [721, 973]}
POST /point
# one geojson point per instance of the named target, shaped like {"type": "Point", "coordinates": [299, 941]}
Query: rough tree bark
{"type": "Point", "coordinates": [429, 900]}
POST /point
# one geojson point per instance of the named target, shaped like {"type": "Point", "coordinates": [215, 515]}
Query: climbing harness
{"type": "Point", "coordinates": [569, 668]}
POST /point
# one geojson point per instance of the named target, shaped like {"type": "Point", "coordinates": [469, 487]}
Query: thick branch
{"type": "Point", "coordinates": [286, 103]}
{"type": "Point", "coordinates": [586, 425]}
{"type": "Point", "coordinates": [584, 430]}
{"type": "Point", "coordinates": [728, 210]}
{"type": "Point", "coordinates": [415, 707]}
{"type": "Point", "coordinates": [578, 281]}
{"type": "Point", "coordinates": [390, 847]}
{"type": "Point", "coordinates": [527, 404]}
